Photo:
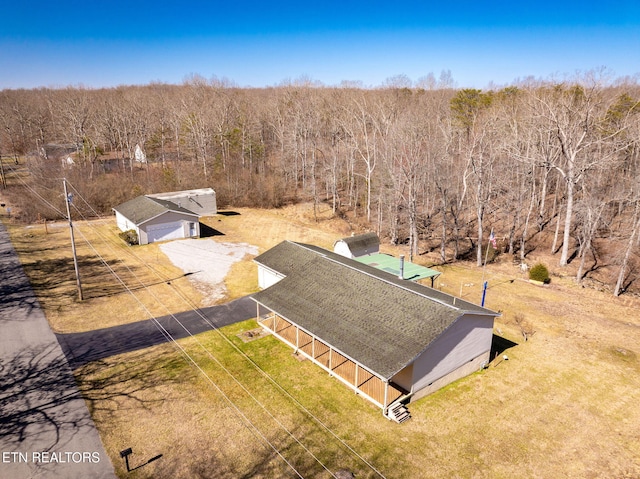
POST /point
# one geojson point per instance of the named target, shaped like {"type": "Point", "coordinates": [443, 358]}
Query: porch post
{"type": "Point", "coordinates": [386, 396]}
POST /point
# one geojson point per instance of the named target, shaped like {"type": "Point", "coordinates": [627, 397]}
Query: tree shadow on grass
{"type": "Point", "coordinates": [39, 395]}
{"type": "Point", "coordinates": [104, 384]}
{"type": "Point", "coordinates": [55, 279]}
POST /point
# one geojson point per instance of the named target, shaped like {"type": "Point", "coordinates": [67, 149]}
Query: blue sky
{"type": "Point", "coordinates": [105, 44]}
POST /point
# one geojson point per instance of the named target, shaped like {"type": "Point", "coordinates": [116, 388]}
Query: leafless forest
{"type": "Point", "coordinates": [542, 164]}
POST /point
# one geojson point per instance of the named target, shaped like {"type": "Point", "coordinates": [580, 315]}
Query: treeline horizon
{"type": "Point", "coordinates": [434, 166]}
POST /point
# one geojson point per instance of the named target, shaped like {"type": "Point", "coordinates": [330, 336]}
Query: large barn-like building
{"type": "Point", "coordinates": [200, 201]}
{"type": "Point", "coordinates": [391, 340]}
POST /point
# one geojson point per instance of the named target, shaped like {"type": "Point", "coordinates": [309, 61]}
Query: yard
{"type": "Point", "coordinates": [223, 404]}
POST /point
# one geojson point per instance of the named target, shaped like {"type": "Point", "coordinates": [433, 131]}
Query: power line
{"type": "Point", "coordinates": [245, 356]}
{"type": "Point", "coordinates": [204, 349]}
{"type": "Point", "coordinates": [168, 336]}
{"type": "Point", "coordinates": [213, 326]}
{"type": "Point", "coordinates": [186, 354]}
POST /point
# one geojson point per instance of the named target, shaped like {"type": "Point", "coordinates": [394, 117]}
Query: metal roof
{"type": "Point", "coordinates": [390, 264]}
{"type": "Point", "coordinates": [142, 209]}
{"type": "Point", "coordinates": [200, 201]}
{"type": "Point", "coordinates": [373, 317]}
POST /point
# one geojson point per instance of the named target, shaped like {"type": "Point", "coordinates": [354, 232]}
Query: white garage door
{"type": "Point", "coordinates": [166, 231]}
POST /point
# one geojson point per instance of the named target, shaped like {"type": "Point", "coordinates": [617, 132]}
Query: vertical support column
{"type": "Point", "coordinates": [356, 379]}
{"type": "Point", "coordinates": [386, 396]}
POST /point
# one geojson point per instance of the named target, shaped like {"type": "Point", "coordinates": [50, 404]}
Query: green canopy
{"type": "Point", "coordinates": [390, 264]}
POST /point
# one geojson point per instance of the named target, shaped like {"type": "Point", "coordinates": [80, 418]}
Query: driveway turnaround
{"type": "Point", "coordinates": [46, 431]}
{"type": "Point", "coordinates": [82, 348]}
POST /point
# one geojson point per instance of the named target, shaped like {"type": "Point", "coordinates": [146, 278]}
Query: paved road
{"type": "Point", "coordinates": [45, 427]}
{"type": "Point", "coordinates": [81, 348]}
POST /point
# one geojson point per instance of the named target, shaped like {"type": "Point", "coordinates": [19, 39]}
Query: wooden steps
{"type": "Point", "coordinates": [399, 413]}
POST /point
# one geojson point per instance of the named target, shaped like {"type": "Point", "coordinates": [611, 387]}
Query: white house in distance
{"type": "Point", "coordinates": [166, 216]}
{"type": "Point", "coordinates": [139, 155]}
{"type": "Point", "coordinates": [391, 340]}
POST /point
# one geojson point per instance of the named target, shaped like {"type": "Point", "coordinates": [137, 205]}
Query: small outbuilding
{"type": "Point", "coordinates": [155, 220]}
{"type": "Point", "coordinates": [365, 248]}
{"type": "Point", "coordinates": [390, 340]}
{"type": "Point", "coordinates": [357, 245]}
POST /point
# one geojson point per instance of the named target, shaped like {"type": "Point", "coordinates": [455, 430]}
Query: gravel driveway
{"type": "Point", "coordinates": [208, 261]}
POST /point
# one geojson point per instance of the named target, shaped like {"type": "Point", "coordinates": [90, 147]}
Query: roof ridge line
{"type": "Point", "coordinates": [394, 283]}
{"type": "Point", "coordinates": [391, 281]}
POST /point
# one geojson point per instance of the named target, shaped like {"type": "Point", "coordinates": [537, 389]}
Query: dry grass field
{"type": "Point", "coordinates": [564, 404]}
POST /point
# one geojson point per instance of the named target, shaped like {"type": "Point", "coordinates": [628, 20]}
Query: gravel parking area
{"type": "Point", "coordinates": [208, 263]}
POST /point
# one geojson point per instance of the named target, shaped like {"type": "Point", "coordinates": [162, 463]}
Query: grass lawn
{"type": "Point", "coordinates": [564, 403]}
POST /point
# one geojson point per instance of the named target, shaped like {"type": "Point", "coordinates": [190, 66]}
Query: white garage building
{"type": "Point", "coordinates": [155, 220]}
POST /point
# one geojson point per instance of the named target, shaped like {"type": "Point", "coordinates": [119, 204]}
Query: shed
{"type": "Point", "coordinates": [200, 201]}
{"type": "Point", "coordinates": [155, 220]}
{"type": "Point", "coordinates": [391, 340]}
{"type": "Point", "coordinates": [358, 245]}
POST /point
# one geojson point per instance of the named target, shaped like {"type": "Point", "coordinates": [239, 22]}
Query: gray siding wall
{"type": "Point", "coordinates": [204, 205]}
{"type": "Point", "coordinates": [464, 370]}
{"type": "Point", "coordinates": [467, 339]}
{"type": "Point", "coordinates": [142, 236]}
{"type": "Point", "coordinates": [404, 378]}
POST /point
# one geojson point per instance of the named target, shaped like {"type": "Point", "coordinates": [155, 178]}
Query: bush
{"type": "Point", "coordinates": [130, 237]}
{"type": "Point", "coordinates": [539, 273]}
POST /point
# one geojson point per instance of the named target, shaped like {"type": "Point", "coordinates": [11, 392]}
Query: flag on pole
{"type": "Point", "coordinates": [492, 240]}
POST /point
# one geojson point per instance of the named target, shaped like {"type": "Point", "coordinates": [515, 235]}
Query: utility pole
{"type": "Point", "coordinates": [492, 242]}
{"type": "Point", "coordinates": [73, 243]}
{"type": "Point", "coordinates": [3, 178]}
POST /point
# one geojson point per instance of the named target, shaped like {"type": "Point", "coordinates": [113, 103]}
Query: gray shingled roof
{"type": "Point", "coordinates": [142, 209]}
{"type": "Point", "coordinates": [286, 257]}
{"type": "Point", "coordinates": [378, 320]}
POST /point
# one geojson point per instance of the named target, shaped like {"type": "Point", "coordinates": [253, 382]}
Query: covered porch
{"type": "Point", "coordinates": [363, 381]}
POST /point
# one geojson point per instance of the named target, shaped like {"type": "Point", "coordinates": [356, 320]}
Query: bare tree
{"type": "Point", "coordinates": [573, 114]}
